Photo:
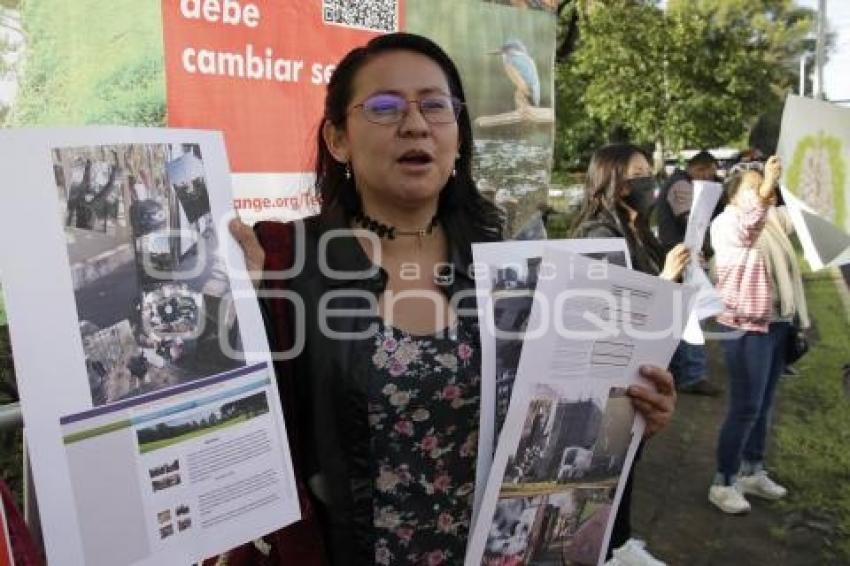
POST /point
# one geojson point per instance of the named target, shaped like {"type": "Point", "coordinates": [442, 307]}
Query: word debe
{"type": "Point", "coordinates": [229, 12]}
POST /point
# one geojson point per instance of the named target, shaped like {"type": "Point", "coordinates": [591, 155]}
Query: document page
{"type": "Point", "coordinates": [506, 274]}
{"type": "Point", "coordinates": [708, 300]}
{"type": "Point", "coordinates": [571, 432]}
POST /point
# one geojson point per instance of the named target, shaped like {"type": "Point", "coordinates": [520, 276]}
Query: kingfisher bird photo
{"type": "Point", "coordinates": [522, 71]}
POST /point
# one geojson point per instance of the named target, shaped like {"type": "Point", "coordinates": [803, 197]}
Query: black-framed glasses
{"type": "Point", "coordinates": [388, 108]}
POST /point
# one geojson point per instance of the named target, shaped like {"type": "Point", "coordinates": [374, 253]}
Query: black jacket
{"type": "Point", "coordinates": [332, 407]}
{"type": "Point", "coordinates": [646, 256]}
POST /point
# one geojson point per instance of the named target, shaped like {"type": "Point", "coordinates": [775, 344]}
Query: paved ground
{"type": "Point", "coordinates": [672, 512]}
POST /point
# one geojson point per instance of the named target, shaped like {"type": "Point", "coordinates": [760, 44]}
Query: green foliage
{"type": "Point", "coordinates": [812, 447]}
{"type": "Point", "coordinates": [696, 75]}
{"type": "Point", "coordinates": [109, 69]}
{"type": "Point", "coordinates": [621, 52]}
{"type": "Point", "coordinates": [577, 134]}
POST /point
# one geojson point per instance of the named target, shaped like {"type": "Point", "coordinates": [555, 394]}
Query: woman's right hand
{"type": "Point", "coordinates": [772, 174]}
{"type": "Point", "coordinates": [255, 256]}
{"type": "Point", "coordinates": [675, 262]}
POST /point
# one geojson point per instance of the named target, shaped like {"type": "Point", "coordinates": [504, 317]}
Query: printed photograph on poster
{"type": "Point", "coordinates": [165, 482]}
{"type": "Point", "coordinates": [505, 56]}
{"type": "Point", "coordinates": [230, 413]}
{"type": "Point", "coordinates": [165, 468]}
{"type": "Point", "coordinates": [559, 528]}
{"type": "Point", "coordinates": [565, 440]}
{"type": "Point", "coordinates": [559, 483]}
{"type": "Point", "coordinates": [148, 280]}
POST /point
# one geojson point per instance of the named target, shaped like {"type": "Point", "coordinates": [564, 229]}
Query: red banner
{"type": "Point", "coordinates": [257, 71]}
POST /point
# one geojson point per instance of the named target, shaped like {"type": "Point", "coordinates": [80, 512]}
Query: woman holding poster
{"type": "Point", "coordinates": [757, 281]}
{"type": "Point", "coordinates": [387, 381]}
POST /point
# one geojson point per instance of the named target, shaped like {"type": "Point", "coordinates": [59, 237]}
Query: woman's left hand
{"type": "Point", "coordinates": [656, 405]}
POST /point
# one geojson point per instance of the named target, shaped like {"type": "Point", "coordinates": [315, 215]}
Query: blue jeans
{"type": "Point", "coordinates": [754, 362]}
{"type": "Point", "coordinates": [688, 364]}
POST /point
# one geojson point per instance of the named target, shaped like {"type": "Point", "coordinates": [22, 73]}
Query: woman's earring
{"type": "Point", "coordinates": [347, 172]}
{"type": "Point", "coordinates": [454, 172]}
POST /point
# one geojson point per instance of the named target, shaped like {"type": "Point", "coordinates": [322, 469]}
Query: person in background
{"type": "Point", "coordinates": [619, 195]}
{"type": "Point", "coordinates": [758, 280]}
{"type": "Point", "coordinates": [388, 417]}
{"type": "Point", "coordinates": [690, 363]}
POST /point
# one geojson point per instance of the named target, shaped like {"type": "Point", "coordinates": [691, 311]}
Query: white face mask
{"type": "Point", "coordinates": [746, 194]}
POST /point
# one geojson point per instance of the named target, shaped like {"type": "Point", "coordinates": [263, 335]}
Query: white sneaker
{"type": "Point", "coordinates": [760, 485]}
{"type": "Point", "coordinates": [633, 553]}
{"type": "Point", "coordinates": [729, 499]}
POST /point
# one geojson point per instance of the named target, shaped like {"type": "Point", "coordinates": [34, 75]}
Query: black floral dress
{"type": "Point", "coordinates": [423, 413]}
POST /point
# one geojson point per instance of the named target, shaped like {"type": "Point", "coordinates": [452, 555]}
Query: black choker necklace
{"type": "Point", "coordinates": [390, 232]}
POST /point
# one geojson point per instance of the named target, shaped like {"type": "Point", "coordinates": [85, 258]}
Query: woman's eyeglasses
{"type": "Point", "coordinates": [392, 108]}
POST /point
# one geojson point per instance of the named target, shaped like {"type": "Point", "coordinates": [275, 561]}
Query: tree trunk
{"type": "Point", "coordinates": [658, 156]}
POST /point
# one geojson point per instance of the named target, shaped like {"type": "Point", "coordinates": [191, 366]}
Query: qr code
{"type": "Point", "coordinates": [373, 15]}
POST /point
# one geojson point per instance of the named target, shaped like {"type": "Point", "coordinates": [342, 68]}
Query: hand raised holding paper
{"type": "Point", "coordinates": [675, 262]}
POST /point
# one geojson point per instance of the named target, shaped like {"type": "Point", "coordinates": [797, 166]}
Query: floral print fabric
{"type": "Point", "coordinates": [423, 413]}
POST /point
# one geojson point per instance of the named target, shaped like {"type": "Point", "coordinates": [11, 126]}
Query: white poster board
{"type": "Point", "coordinates": [814, 145]}
{"type": "Point", "coordinates": [153, 439]}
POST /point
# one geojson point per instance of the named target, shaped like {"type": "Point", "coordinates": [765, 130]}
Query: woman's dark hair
{"type": "Point", "coordinates": [606, 178]}
{"type": "Point", "coordinates": [466, 216]}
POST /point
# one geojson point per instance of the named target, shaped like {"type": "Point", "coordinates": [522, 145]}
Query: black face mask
{"type": "Point", "coordinates": [642, 195]}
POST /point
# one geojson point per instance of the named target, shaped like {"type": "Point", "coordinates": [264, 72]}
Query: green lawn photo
{"type": "Point", "coordinates": [157, 444]}
{"type": "Point", "coordinates": [198, 424]}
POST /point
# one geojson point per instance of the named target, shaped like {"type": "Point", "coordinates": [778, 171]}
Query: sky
{"type": "Point", "coordinates": [836, 73]}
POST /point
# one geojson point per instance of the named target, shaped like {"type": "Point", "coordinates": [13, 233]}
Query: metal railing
{"type": "Point", "coordinates": [10, 416]}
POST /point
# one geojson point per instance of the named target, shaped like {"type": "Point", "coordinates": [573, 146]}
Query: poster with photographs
{"type": "Point", "coordinates": [504, 50]}
{"type": "Point", "coordinates": [142, 361]}
{"type": "Point", "coordinates": [506, 277]}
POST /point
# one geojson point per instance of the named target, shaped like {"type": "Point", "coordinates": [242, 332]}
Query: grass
{"type": "Point", "coordinates": [812, 431]}
{"type": "Point", "coordinates": [113, 76]}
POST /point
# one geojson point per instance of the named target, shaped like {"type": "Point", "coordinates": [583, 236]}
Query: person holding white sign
{"type": "Point", "coordinates": [389, 374]}
{"type": "Point", "coordinates": [754, 280]}
{"type": "Point", "coordinates": [690, 363]}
